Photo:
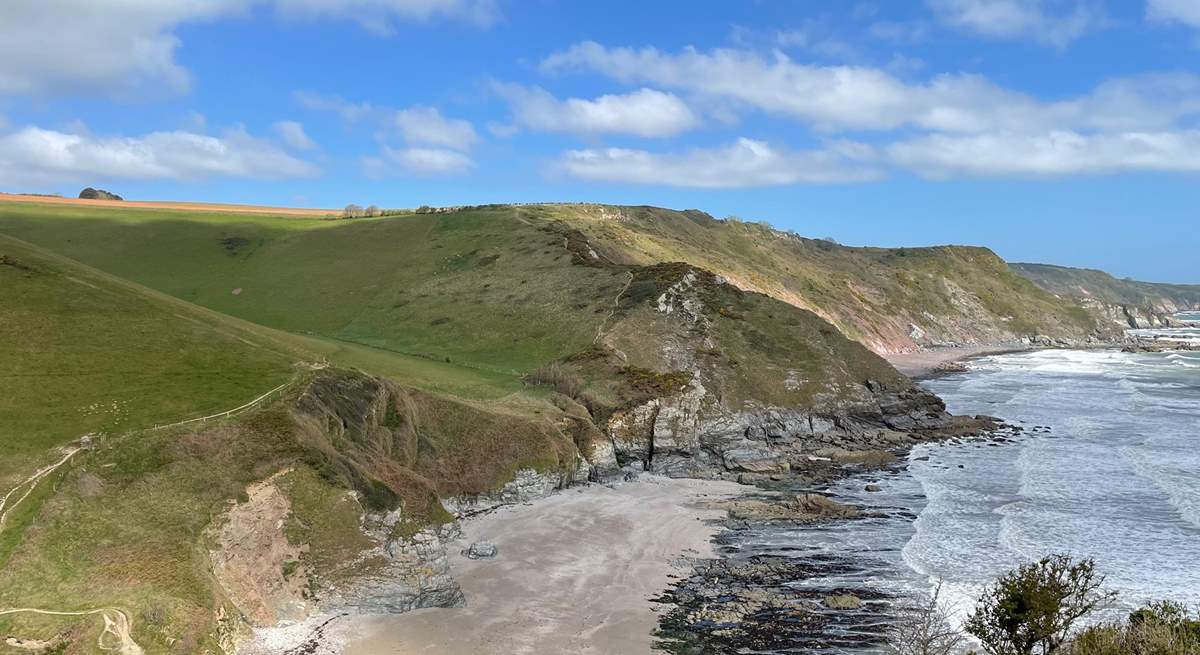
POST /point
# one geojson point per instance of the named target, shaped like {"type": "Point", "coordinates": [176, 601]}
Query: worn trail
{"type": "Point", "coordinates": [117, 627]}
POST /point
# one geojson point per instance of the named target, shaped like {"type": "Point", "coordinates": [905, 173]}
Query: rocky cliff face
{"type": "Point", "coordinates": [1125, 303]}
{"type": "Point", "coordinates": [691, 435]}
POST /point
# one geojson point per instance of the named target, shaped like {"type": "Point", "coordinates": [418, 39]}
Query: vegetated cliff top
{"type": "Point", "coordinates": [1097, 285]}
{"type": "Point", "coordinates": [891, 299]}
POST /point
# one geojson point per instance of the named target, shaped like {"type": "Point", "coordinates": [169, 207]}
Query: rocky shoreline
{"type": "Point", "coordinates": [753, 601]}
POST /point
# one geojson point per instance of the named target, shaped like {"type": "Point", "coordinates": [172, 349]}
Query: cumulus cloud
{"type": "Point", "coordinates": [435, 144]}
{"type": "Point", "coordinates": [419, 125]}
{"type": "Point", "coordinates": [832, 98]}
{"type": "Point", "coordinates": [292, 133]}
{"type": "Point", "coordinates": [351, 112]}
{"type": "Point", "coordinates": [745, 163]}
{"type": "Point", "coordinates": [427, 126]}
{"type": "Point", "coordinates": [34, 156]}
{"type": "Point", "coordinates": [421, 162]}
{"type": "Point", "coordinates": [1020, 19]}
{"type": "Point", "coordinates": [54, 47]}
{"type": "Point", "coordinates": [1056, 153]}
{"type": "Point", "coordinates": [1180, 11]}
{"type": "Point", "coordinates": [380, 15]}
{"type": "Point", "coordinates": [645, 112]}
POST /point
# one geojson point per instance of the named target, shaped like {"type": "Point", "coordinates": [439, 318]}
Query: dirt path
{"type": "Point", "coordinates": [30, 484]}
{"type": "Point", "coordinates": [616, 306]}
{"type": "Point", "coordinates": [114, 638]}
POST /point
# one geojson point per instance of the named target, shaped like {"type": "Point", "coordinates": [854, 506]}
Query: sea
{"type": "Point", "coordinates": [1108, 468]}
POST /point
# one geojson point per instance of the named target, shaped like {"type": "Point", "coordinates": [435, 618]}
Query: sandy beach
{"type": "Point", "coordinates": [923, 363]}
{"type": "Point", "coordinates": [574, 573]}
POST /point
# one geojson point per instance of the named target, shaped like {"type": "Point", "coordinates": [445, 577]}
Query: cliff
{"type": "Point", "coordinates": [892, 300]}
{"type": "Point", "coordinates": [1125, 302]}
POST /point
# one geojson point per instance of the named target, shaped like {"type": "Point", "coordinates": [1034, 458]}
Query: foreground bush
{"type": "Point", "coordinates": [1032, 609]}
{"type": "Point", "coordinates": [1163, 628]}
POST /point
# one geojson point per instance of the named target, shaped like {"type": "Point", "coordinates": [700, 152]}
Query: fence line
{"type": "Point", "coordinates": [229, 412]}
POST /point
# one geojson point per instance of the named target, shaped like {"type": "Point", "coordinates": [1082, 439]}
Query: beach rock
{"type": "Point", "coordinates": [872, 488]}
{"type": "Point", "coordinates": [842, 602]}
{"type": "Point", "coordinates": [805, 508]}
{"type": "Point", "coordinates": [480, 550]}
{"type": "Point", "coordinates": [754, 460]}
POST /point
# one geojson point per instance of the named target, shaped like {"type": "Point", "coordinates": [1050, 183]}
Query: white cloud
{"type": "Point", "coordinates": [1046, 155]}
{"type": "Point", "coordinates": [645, 112]}
{"type": "Point", "coordinates": [1020, 19]}
{"type": "Point", "coordinates": [832, 98]}
{"type": "Point", "coordinates": [427, 126]}
{"type": "Point", "coordinates": [380, 15]}
{"type": "Point", "coordinates": [102, 47]}
{"type": "Point", "coordinates": [1181, 11]}
{"type": "Point", "coordinates": [292, 133]}
{"type": "Point", "coordinates": [33, 156]}
{"type": "Point", "coordinates": [417, 125]}
{"type": "Point", "coordinates": [350, 112]}
{"type": "Point", "coordinates": [436, 145]}
{"type": "Point", "coordinates": [421, 162]}
{"type": "Point", "coordinates": [85, 46]}
{"type": "Point", "coordinates": [745, 163]}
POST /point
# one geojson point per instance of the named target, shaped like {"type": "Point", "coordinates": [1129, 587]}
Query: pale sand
{"type": "Point", "coordinates": [574, 573]}
{"type": "Point", "coordinates": [182, 206]}
{"type": "Point", "coordinates": [924, 362]}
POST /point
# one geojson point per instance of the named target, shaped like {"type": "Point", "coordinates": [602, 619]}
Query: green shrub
{"type": "Point", "coordinates": [1163, 628]}
{"type": "Point", "coordinates": [1033, 608]}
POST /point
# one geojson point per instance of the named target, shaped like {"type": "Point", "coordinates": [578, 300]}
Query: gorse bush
{"type": "Point", "coordinates": [1163, 628]}
{"type": "Point", "coordinates": [558, 377]}
{"type": "Point", "coordinates": [1035, 609]}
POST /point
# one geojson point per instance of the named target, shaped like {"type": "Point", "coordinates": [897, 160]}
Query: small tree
{"type": "Point", "coordinates": [352, 211]}
{"type": "Point", "coordinates": [1033, 608]}
{"type": "Point", "coordinates": [925, 629]}
{"type": "Point", "coordinates": [373, 211]}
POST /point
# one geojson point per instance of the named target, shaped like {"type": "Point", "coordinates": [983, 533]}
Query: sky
{"type": "Point", "coordinates": [1058, 131]}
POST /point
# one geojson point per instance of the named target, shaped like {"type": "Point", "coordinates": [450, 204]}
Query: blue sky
{"type": "Point", "coordinates": [1063, 131]}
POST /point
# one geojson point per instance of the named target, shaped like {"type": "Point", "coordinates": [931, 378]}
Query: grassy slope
{"type": "Point", "coordinates": [1091, 283]}
{"type": "Point", "coordinates": [954, 293]}
{"type": "Point", "coordinates": [480, 287]}
{"type": "Point", "coordinates": [81, 354]}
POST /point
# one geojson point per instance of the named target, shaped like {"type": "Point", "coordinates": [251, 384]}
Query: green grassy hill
{"type": "Point", "coordinates": [874, 295]}
{"type": "Point", "coordinates": [1091, 284]}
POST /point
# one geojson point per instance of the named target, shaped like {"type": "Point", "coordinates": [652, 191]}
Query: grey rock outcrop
{"type": "Point", "coordinates": [415, 573]}
{"type": "Point", "coordinates": [528, 485]}
{"type": "Point", "coordinates": [691, 435]}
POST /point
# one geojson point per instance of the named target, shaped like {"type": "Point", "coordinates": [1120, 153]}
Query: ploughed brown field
{"type": "Point", "coordinates": [152, 204]}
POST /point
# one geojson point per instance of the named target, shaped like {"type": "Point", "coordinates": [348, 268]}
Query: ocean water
{"type": "Point", "coordinates": [1115, 478]}
{"type": "Point", "coordinates": [1108, 468]}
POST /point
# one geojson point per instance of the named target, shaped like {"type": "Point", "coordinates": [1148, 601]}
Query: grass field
{"type": "Point", "coordinates": [477, 288]}
{"type": "Point", "coordinates": [80, 354]}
